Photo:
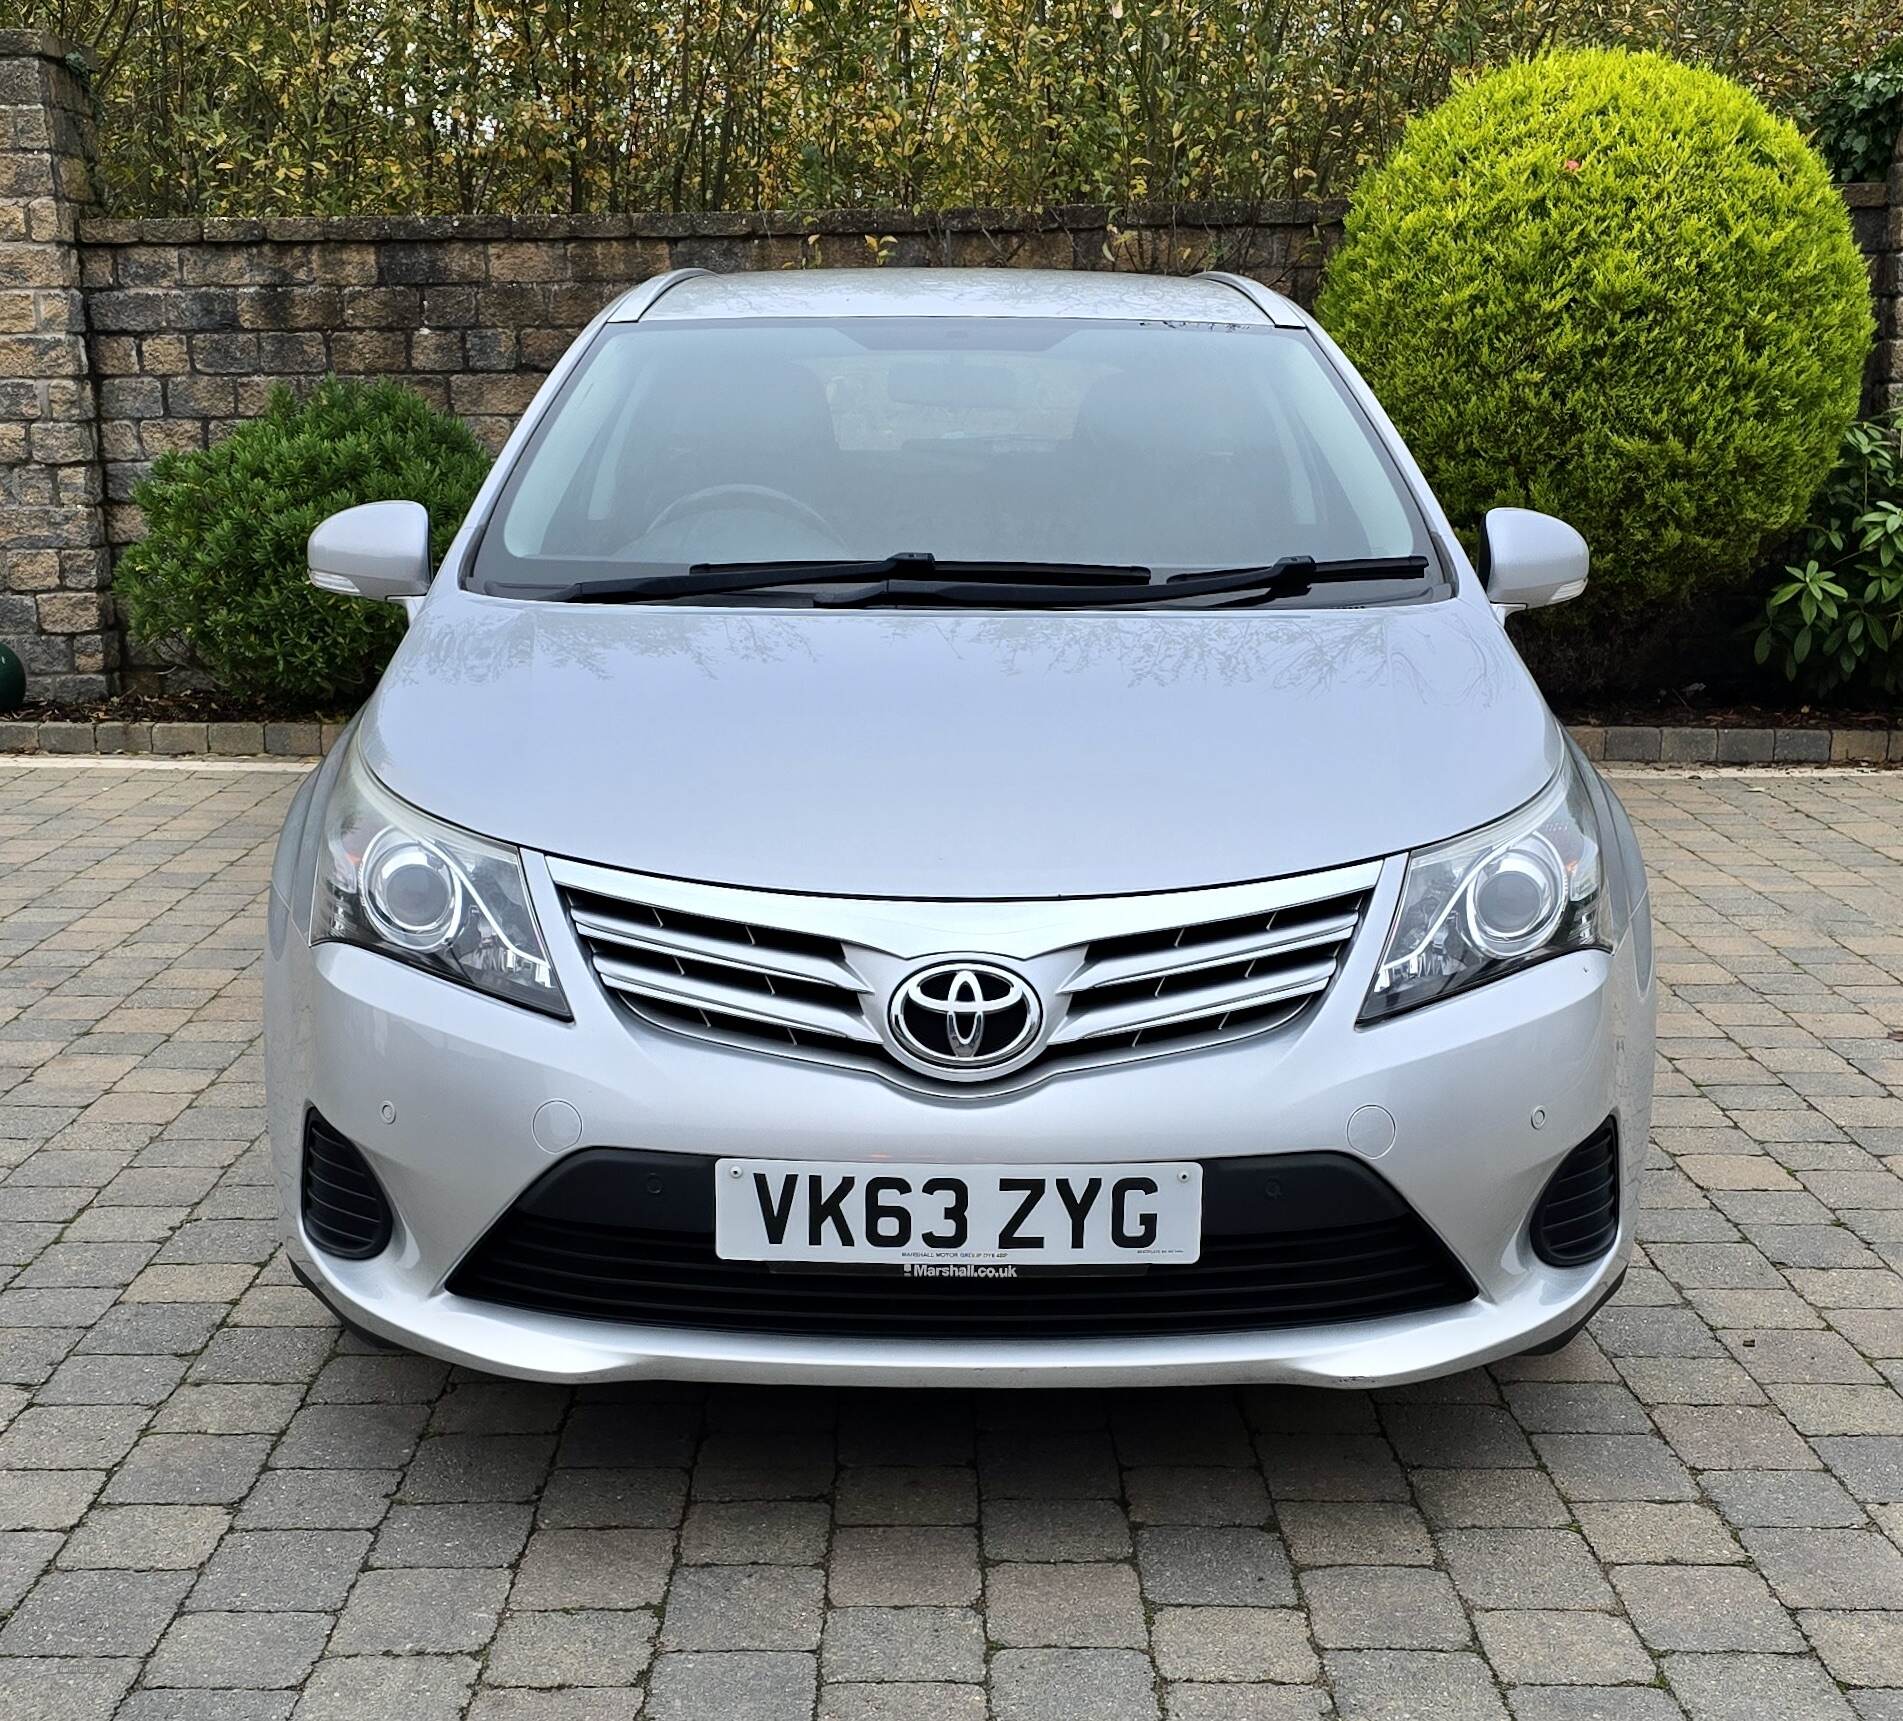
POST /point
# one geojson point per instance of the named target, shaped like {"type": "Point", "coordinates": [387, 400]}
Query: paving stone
{"type": "Point", "coordinates": [593, 1568]}
{"type": "Point", "coordinates": [24, 1554]}
{"type": "Point", "coordinates": [298, 1570]}
{"type": "Point", "coordinates": [1524, 1568]}
{"type": "Point", "coordinates": [468, 1533]}
{"type": "Point", "coordinates": [414, 1687]}
{"type": "Point", "coordinates": [1734, 1437]}
{"type": "Point", "coordinates": [1754, 1688]}
{"type": "Point", "coordinates": [1828, 1568]}
{"type": "Point", "coordinates": [145, 1538]}
{"type": "Point", "coordinates": [744, 1607]}
{"type": "Point", "coordinates": [1640, 1533]}
{"type": "Point", "coordinates": [1055, 1530]}
{"type": "Point", "coordinates": [917, 1567]}
{"type": "Point", "coordinates": [909, 1701]}
{"type": "Point", "coordinates": [94, 1613]}
{"type": "Point", "coordinates": [46, 1499]}
{"type": "Point", "coordinates": [756, 1532]}
{"type": "Point", "coordinates": [1355, 1533]}
{"type": "Point", "coordinates": [1214, 1566]}
{"type": "Point", "coordinates": [1490, 1499]}
{"type": "Point", "coordinates": [586, 1646]}
{"type": "Point", "coordinates": [189, 1703]}
{"type": "Point", "coordinates": [747, 1686]}
{"type": "Point", "coordinates": [594, 1703]}
{"type": "Point", "coordinates": [1398, 1685]}
{"type": "Point", "coordinates": [1753, 1499]}
{"type": "Point", "coordinates": [1331, 1467]}
{"type": "Point", "coordinates": [1859, 1648]}
{"type": "Point", "coordinates": [928, 1644]}
{"type": "Point", "coordinates": [1064, 1606]}
{"type": "Point", "coordinates": [1614, 1467]}
{"type": "Point", "coordinates": [1545, 1647]}
{"type": "Point", "coordinates": [896, 1494]}
{"type": "Point", "coordinates": [1072, 1685]}
{"type": "Point", "coordinates": [1593, 1703]}
{"type": "Point", "coordinates": [1194, 1702]}
{"type": "Point", "coordinates": [1376, 1607]}
{"type": "Point", "coordinates": [1234, 1643]}
{"type": "Point", "coordinates": [588, 1499]}
{"type": "Point", "coordinates": [1184, 1494]}
{"type": "Point", "coordinates": [420, 1612]}
{"type": "Point", "coordinates": [1704, 1608]}
{"type": "Point", "coordinates": [223, 1650]}
{"type": "Point", "coordinates": [318, 1500]}
{"type": "Point", "coordinates": [188, 1470]}
{"type": "Point", "coordinates": [66, 1689]}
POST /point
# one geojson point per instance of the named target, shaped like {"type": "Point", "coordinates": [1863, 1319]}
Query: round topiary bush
{"type": "Point", "coordinates": [1618, 289]}
{"type": "Point", "coordinates": [221, 570]}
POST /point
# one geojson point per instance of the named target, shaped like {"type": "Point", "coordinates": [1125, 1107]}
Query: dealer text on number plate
{"type": "Point", "coordinates": [1024, 1215]}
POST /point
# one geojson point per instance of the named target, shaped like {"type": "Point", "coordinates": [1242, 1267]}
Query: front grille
{"type": "Point", "coordinates": [1200, 980]}
{"type": "Point", "coordinates": [1289, 1241]}
{"type": "Point", "coordinates": [1577, 1217]}
{"type": "Point", "coordinates": [785, 987]}
{"type": "Point", "coordinates": [812, 977]}
{"type": "Point", "coordinates": [346, 1212]}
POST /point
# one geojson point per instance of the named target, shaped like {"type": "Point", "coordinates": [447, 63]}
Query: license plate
{"type": "Point", "coordinates": [910, 1215]}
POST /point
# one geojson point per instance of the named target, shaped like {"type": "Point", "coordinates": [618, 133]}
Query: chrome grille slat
{"type": "Point", "coordinates": [701, 992]}
{"type": "Point", "coordinates": [669, 941]}
{"type": "Point", "coordinates": [1171, 1009]}
{"type": "Point", "coordinates": [813, 978]}
{"type": "Point", "coordinates": [1275, 940]}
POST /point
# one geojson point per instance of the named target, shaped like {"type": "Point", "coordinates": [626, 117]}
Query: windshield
{"type": "Point", "coordinates": [998, 441]}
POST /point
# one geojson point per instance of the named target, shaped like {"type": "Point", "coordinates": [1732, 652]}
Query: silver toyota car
{"type": "Point", "coordinates": [958, 827]}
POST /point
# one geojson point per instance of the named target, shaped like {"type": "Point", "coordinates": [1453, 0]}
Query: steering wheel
{"type": "Point", "coordinates": [732, 495]}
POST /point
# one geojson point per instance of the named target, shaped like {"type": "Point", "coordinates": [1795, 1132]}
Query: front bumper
{"type": "Point", "coordinates": [440, 1087]}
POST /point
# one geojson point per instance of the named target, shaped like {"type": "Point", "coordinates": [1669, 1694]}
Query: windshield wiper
{"type": "Point", "coordinates": [712, 579]}
{"type": "Point", "coordinates": [1238, 587]}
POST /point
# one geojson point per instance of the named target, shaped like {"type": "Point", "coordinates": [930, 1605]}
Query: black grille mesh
{"type": "Point", "coordinates": [1577, 1217]}
{"type": "Point", "coordinates": [346, 1212]}
{"type": "Point", "coordinates": [1372, 1257]}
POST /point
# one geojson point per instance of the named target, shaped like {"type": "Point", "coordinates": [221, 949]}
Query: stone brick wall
{"type": "Point", "coordinates": [122, 339]}
{"type": "Point", "coordinates": [55, 610]}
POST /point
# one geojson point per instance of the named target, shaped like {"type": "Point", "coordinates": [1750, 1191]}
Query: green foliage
{"type": "Point", "coordinates": [1860, 117]}
{"type": "Point", "coordinates": [254, 107]}
{"type": "Point", "coordinates": [1836, 620]}
{"type": "Point", "coordinates": [1617, 289]}
{"type": "Point", "coordinates": [221, 570]}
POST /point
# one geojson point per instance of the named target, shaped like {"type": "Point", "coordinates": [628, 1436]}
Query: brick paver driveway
{"type": "Point", "coordinates": [212, 1507]}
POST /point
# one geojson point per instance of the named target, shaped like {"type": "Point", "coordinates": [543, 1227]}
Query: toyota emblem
{"type": "Point", "coordinates": [965, 1017]}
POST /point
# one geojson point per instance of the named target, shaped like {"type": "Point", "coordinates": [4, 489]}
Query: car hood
{"type": "Point", "coordinates": [959, 754]}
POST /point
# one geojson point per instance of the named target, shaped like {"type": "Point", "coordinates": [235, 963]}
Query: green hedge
{"type": "Point", "coordinates": [220, 571]}
{"type": "Point", "coordinates": [1616, 288]}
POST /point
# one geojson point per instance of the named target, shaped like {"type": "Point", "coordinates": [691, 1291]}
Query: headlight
{"type": "Point", "coordinates": [397, 881]}
{"type": "Point", "coordinates": [1497, 899]}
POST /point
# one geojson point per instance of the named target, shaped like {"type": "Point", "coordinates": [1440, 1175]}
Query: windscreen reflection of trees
{"type": "Point", "coordinates": [253, 107]}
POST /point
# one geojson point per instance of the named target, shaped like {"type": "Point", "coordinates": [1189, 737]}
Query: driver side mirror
{"type": "Point", "coordinates": [1530, 560]}
{"type": "Point", "coordinates": [376, 550]}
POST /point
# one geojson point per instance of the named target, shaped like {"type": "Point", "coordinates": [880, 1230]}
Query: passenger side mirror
{"type": "Point", "coordinates": [1529, 560]}
{"type": "Point", "coordinates": [377, 550]}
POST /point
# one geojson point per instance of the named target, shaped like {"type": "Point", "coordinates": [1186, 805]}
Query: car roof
{"type": "Point", "coordinates": [956, 292]}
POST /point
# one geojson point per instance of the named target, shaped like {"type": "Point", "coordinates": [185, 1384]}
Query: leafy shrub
{"type": "Point", "coordinates": [1618, 289]}
{"type": "Point", "coordinates": [221, 568]}
{"type": "Point", "coordinates": [1859, 116]}
{"type": "Point", "coordinates": [1837, 617]}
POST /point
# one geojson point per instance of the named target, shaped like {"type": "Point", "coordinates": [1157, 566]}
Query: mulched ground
{"type": "Point", "coordinates": [1679, 713]}
{"type": "Point", "coordinates": [181, 707]}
